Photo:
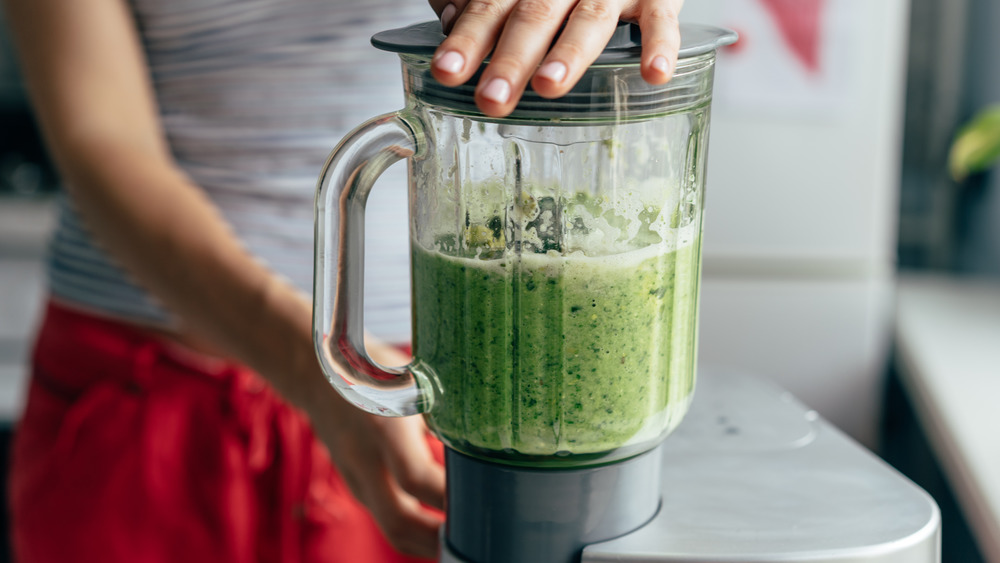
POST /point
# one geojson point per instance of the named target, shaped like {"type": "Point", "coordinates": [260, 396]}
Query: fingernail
{"type": "Point", "coordinates": [450, 62]}
{"type": "Point", "coordinates": [554, 71]}
{"type": "Point", "coordinates": [498, 90]}
{"type": "Point", "coordinates": [447, 14]}
{"type": "Point", "coordinates": [660, 63]}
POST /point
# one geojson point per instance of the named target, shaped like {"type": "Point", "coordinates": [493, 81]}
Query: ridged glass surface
{"type": "Point", "coordinates": [555, 280]}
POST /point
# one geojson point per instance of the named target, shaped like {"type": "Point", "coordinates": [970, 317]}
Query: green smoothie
{"type": "Point", "coordinates": [543, 356]}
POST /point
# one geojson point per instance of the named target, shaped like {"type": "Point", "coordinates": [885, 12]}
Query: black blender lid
{"type": "Point", "coordinates": [625, 45]}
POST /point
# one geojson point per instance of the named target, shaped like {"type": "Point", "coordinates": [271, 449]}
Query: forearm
{"type": "Point", "coordinates": [170, 237]}
{"type": "Point", "coordinates": [90, 88]}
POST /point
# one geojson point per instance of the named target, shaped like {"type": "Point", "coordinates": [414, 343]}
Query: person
{"type": "Point", "coordinates": [176, 408]}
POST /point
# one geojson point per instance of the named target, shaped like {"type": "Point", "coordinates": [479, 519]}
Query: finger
{"type": "Point", "coordinates": [529, 32]}
{"type": "Point", "coordinates": [408, 526]}
{"type": "Point", "coordinates": [587, 31]}
{"type": "Point", "coordinates": [447, 11]}
{"type": "Point", "coordinates": [412, 463]}
{"type": "Point", "coordinates": [357, 443]}
{"type": "Point", "coordinates": [438, 5]}
{"type": "Point", "coordinates": [661, 39]}
{"type": "Point", "coordinates": [472, 36]}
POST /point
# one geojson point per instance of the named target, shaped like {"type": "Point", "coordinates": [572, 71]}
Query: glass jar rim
{"type": "Point", "coordinates": [625, 46]}
{"type": "Point", "coordinates": [610, 90]}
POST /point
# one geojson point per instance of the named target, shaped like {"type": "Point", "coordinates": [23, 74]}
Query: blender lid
{"type": "Point", "coordinates": [624, 47]}
{"type": "Point", "coordinates": [612, 89]}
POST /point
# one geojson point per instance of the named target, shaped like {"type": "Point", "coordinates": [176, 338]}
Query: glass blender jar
{"type": "Point", "coordinates": [555, 265]}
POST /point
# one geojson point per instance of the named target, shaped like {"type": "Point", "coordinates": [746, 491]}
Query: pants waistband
{"type": "Point", "coordinates": [84, 348]}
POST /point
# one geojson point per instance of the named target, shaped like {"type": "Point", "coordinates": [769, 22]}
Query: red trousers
{"type": "Point", "coordinates": [133, 450]}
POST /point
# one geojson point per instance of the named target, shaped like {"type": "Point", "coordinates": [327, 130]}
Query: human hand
{"type": "Point", "coordinates": [520, 32]}
{"type": "Point", "coordinates": [388, 465]}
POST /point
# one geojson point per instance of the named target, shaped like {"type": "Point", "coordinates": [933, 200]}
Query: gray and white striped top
{"type": "Point", "coordinates": [253, 95]}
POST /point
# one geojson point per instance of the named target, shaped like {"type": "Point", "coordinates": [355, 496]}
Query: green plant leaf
{"type": "Point", "coordinates": [977, 145]}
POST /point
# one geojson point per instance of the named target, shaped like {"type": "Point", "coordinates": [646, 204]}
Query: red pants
{"type": "Point", "coordinates": [133, 450]}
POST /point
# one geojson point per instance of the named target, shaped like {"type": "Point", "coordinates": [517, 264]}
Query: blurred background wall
{"type": "Point", "coordinates": [978, 217]}
{"type": "Point", "coordinates": [828, 175]}
{"type": "Point", "coordinates": [954, 72]}
{"type": "Point", "coordinates": [801, 212]}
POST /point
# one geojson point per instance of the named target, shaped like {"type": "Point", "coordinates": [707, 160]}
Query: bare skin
{"type": "Point", "coordinates": [87, 77]}
{"type": "Point", "coordinates": [522, 33]}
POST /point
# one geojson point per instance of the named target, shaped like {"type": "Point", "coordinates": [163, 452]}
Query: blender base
{"type": "Point", "coordinates": [498, 513]}
{"type": "Point", "coordinates": [750, 475]}
{"type": "Point", "coordinates": [753, 475]}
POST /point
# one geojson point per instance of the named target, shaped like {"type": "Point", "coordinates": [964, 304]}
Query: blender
{"type": "Point", "coordinates": [555, 270]}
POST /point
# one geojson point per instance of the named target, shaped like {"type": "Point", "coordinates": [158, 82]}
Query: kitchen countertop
{"type": "Point", "coordinates": [948, 337]}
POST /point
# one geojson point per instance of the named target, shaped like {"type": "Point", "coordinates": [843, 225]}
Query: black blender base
{"type": "Point", "coordinates": [504, 514]}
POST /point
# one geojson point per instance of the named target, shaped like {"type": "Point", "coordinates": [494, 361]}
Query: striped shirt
{"type": "Point", "coordinates": [253, 95]}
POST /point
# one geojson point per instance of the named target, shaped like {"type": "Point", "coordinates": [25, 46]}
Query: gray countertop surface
{"type": "Point", "coordinates": [948, 336]}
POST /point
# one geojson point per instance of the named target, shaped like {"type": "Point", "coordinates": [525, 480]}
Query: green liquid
{"type": "Point", "coordinates": [553, 359]}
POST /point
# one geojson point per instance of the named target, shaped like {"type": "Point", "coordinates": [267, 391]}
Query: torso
{"type": "Point", "coordinates": [253, 96]}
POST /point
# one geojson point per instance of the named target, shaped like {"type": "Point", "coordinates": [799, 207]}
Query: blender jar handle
{"type": "Point", "coordinates": [338, 288]}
